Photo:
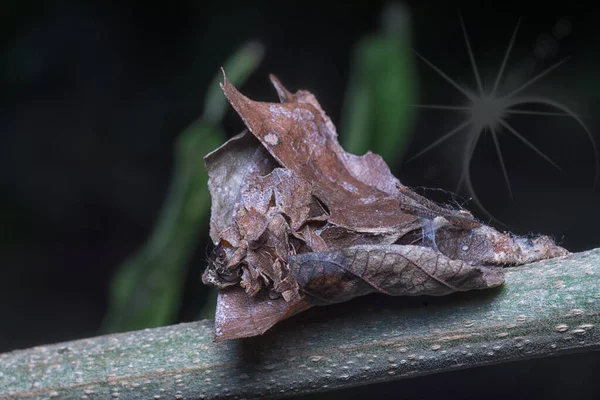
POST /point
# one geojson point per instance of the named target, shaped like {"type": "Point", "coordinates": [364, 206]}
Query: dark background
{"type": "Point", "coordinates": [94, 94]}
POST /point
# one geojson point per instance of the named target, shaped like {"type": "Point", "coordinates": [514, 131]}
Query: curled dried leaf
{"type": "Point", "coordinates": [395, 270]}
{"type": "Point", "coordinates": [299, 222]}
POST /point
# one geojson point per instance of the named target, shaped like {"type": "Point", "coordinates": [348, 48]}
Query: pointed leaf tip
{"type": "Point", "coordinates": [283, 94]}
{"type": "Point", "coordinates": [225, 81]}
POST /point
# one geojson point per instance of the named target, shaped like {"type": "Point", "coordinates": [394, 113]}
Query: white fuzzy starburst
{"type": "Point", "coordinates": [490, 112]}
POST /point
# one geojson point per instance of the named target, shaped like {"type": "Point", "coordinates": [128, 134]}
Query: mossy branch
{"type": "Point", "coordinates": [544, 309]}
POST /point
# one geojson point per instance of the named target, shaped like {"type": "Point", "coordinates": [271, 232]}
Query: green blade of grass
{"type": "Point", "coordinates": [146, 290]}
{"type": "Point", "coordinates": [377, 111]}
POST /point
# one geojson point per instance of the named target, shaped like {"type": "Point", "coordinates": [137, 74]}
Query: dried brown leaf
{"type": "Point", "coordinates": [239, 315]}
{"type": "Point", "coordinates": [395, 270]}
{"type": "Point", "coordinates": [298, 137]}
{"type": "Point", "coordinates": [230, 167]}
{"type": "Point", "coordinates": [487, 246]}
{"type": "Point", "coordinates": [298, 222]}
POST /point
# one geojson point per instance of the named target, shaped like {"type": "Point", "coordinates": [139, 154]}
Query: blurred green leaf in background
{"type": "Point", "coordinates": [147, 288]}
{"type": "Point", "coordinates": [378, 112]}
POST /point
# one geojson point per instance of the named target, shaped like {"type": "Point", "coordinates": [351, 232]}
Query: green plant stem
{"type": "Point", "coordinates": [544, 309]}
